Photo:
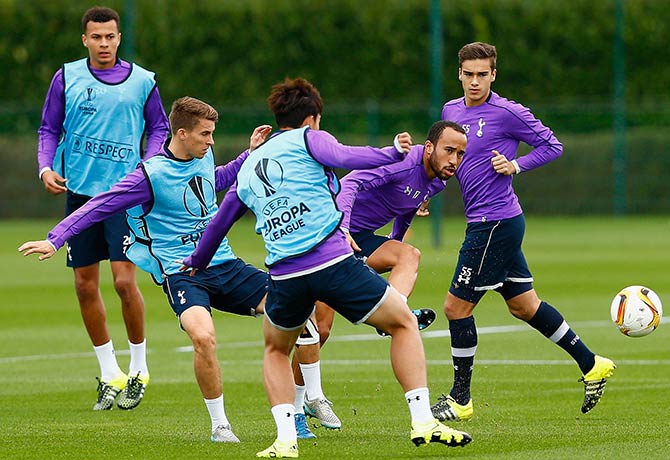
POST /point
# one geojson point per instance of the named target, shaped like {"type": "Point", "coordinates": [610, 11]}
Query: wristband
{"type": "Point", "coordinates": [42, 171]}
{"type": "Point", "coordinates": [396, 144]}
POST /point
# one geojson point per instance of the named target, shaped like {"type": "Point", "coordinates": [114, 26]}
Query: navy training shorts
{"type": "Point", "coordinates": [369, 242]}
{"type": "Point", "coordinates": [233, 286]}
{"type": "Point", "coordinates": [491, 259]}
{"type": "Point", "coordinates": [105, 240]}
{"type": "Point", "coordinates": [349, 287]}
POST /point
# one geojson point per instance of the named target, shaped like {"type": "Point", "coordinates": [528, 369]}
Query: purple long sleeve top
{"type": "Point", "coordinates": [371, 198]}
{"type": "Point", "coordinates": [497, 124]}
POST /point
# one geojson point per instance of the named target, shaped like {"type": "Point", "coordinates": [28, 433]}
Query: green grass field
{"type": "Point", "coordinates": [525, 389]}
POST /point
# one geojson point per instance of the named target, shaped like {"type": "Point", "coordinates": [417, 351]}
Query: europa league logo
{"type": "Point", "coordinates": [269, 176]}
{"type": "Point", "coordinates": [197, 195]}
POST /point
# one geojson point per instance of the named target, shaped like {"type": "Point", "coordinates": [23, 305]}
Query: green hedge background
{"type": "Point", "coordinates": [371, 62]}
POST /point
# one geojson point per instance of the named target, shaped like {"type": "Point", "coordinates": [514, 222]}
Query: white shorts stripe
{"type": "Point", "coordinates": [488, 288]}
{"type": "Point", "coordinates": [519, 280]}
{"type": "Point", "coordinates": [376, 307]}
{"type": "Point", "coordinates": [169, 291]}
{"type": "Point", "coordinates": [488, 242]}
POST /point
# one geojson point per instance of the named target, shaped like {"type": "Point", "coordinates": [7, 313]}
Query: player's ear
{"type": "Point", "coordinates": [493, 75]}
{"type": "Point", "coordinates": [428, 148]}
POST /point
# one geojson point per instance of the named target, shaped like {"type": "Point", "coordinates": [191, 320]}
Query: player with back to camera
{"type": "Point", "coordinates": [289, 184]}
{"type": "Point", "coordinates": [95, 114]}
{"type": "Point", "coordinates": [170, 198]}
{"type": "Point", "coordinates": [491, 257]}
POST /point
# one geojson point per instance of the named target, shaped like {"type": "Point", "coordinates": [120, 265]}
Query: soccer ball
{"type": "Point", "coordinates": [636, 311]}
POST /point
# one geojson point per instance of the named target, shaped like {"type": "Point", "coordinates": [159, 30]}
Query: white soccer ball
{"type": "Point", "coordinates": [636, 311]}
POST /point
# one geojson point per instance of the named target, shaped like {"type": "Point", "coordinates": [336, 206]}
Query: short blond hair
{"type": "Point", "coordinates": [187, 111]}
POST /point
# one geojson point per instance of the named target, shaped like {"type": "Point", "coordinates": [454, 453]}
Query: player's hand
{"type": "Point", "coordinates": [185, 267]}
{"type": "Point", "coordinates": [53, 182]}
{"type": "Point", "coordinates": [258, 136]}
{"type": "Point", "coordinates": [351, 241]}
{"type": "Point", "coordinates": [501, 165]}
{"type": "Point", "coordinates": [43, 247]}
{"type": "Point", "coordinates": [423, 210]}
{"type": "Point", "coordinates": [403, 142]}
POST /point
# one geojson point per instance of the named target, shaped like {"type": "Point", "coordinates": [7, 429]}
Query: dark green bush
{"type": "Point", "coordinates": [371, 62]}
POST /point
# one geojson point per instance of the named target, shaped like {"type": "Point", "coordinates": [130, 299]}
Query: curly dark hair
{"type": "Point", "coordinates": [100, 14]}
{"type": "Point", "coordinates": [294, 100]}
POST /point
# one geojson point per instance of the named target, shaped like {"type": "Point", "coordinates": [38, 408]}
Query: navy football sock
{"type": "Point", "coordinates": [551, 324]}
{"type": "Point", "coordinates": [463, 348]}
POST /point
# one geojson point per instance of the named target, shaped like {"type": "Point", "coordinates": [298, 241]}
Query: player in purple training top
{"type": "Point", "coordinates": [371, 198]}
{"type": "Point", "coordinates": [491, 257]}
{"type": "Point", "coordinates": [95, 115]}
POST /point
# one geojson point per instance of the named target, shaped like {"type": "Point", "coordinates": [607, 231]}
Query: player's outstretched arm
{"type": "Point", "coordinates": [44, 247]}
{"type": "Point", "coordinates": [330, 152]}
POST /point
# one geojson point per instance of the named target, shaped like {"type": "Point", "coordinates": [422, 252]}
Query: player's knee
{"type": "Point", "coordinates": [277, 349]}
{"type": "Point", "coordinates": [448, 309]}
{"type": "Point", "coordinates": [410, 256]}
{"type": "Point", "coordinates": [203, 341]}
{"type": "Point", "coordinates": [456, 310]}
{"type": "Point", "coordinates": [86, 288]}
{"type": "Point", "coordinates": [125, 286]}
{"type": "Point", "coordinates": [403, 320]}
{"type": "Point", "coordinates": [522, 312]}
{"type": "Point", "coordinates": [524, 306]}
